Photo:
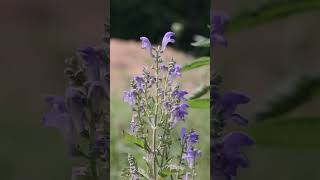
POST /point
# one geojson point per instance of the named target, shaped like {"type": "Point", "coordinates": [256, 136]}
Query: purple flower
{"type": "Point", "coordinates": [231, 158]}
{"type": "Point", "coordinates": [129, 97]}
{"type": "Point", "coordinates": [58, 117]}
{"type": "Point", "coordinates": [95, 94]}
{"type": "Point", "coordinates": [76, 102]}
{"type": "Point", "coordinates": [179, 112]}
{"type": "Point", "coordinates": [175, 72]}
{"type": "Point", "coordinates": [167, 38]}
{"type": "Point", "coordinates": [219, 21]}
{"type": "Point", "coordinates": [179, 94]}
{"type": "Point", "coordinates": [186, 176]}
{"type": "Point", "coordinates": [92, 63]}
{"type": "Point", "coordinates": [133, 125]}
{"type": "Point", "coordinates": [182, 135]}
{"type": "Point", "coordinates": [227, 104]}
{"type": "Point", "coordinates": [145, 44]}
{"type": "Point", "coordinates": [193, 138]}
{"type": "Point", "coordinates": [163, 67]}
{"type": "Point", "coordinates": [190, 156]}
{"type": "Point", "coordinates": [139, 82]}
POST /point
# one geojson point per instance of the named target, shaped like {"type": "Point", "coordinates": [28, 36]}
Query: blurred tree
{"type": "Point", "coordinates": [134, 18]}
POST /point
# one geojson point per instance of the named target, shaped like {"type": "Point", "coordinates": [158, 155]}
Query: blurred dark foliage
{"type": "Point", "coordinates": [134, 18]}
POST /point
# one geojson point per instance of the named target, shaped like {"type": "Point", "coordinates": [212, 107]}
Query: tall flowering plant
{"type": "Point", "coordinates": [158, 105]}
{"type": "Point", "coordinates": [226, 156]}
{"type": "Point", "coordinates": [81, 115]}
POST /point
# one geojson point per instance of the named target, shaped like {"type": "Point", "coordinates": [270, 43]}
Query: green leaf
{"type": "Point", "coordinates": [202, 43]}
{"type": "Point", "coordinates": [170, 170]}
{"type": "Point", "coordinates": [200, 91]}
{"type": "Point", "coordinates": [134, 140]}
{"type": "Point", "coordinates": [287, 133]}
{"type": "Point", "coordinates": [270, 11]}
{"type": "Point", "coordinates": [199, 62]}
{"type": "Point", "coordinates": [199, 103]}
{"type": "Point", "coordinates": [143, 173]}
{"type": "Point", "coordinates": [295, 95]}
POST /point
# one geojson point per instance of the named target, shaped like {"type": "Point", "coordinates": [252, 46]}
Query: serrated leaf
{"type": "Point", "coordinates": [270, 11]}
{"type": "Point", "coordinates": [202, 43]}
{"type": "Point", "coordinates": [199, 62]}
{"type": "Point", "coordinates": [200, 91]}
{"type": "Point", "coordinates": [287, 133]}
{"type": "Point", "coordinates": [199, 103]}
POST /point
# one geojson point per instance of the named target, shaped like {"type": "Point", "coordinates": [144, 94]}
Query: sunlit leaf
{"type": "Point", "coordinates": [199, 62]}
{"type": "Point", "coordinates": [199, 103]}
{"type": "Point", "coordinates": [200, 91]}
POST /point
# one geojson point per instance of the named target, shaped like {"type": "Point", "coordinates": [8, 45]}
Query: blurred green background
{"type": "Point", "coordinates": [273, 57]}
{"type": "Point", "coordinates": [36, 37]}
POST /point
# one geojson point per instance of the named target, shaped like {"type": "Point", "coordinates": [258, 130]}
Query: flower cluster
{"type": "Point", "coordinates": [225, 147]}
{"type": "Point", "coordinates": [81, 115]}
{"type": "Point", "coordinates": [158, 105]}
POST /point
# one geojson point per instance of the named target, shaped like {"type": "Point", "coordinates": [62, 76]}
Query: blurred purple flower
{"type": "Point", "coordinates": [133, 125]}
{"type": "Point", "coordinates": [59, 117]}
{"type": "Point", "coordinates": [90, 57]}
{"type": "Point", "coordinates": [219, 21]}
{"type": "Point", "coordinates": [145, 44]}
{"type": "Point", "coordinates": [179, 94]}
{"type": "Point", "coordinates": [76, 98]}
{"type": "Point", "coordinates": [163, 67]}
{"type": "Point", "coordinates": [226, 105]}
{"type": "Point", "coordinates": [227, 163]}
{"type": "Point", "coordinates": [95, 95]}
{"type": "Point", "coordinates": [129, 97]}
{"type": "Point", "coordinates": [167, 38]}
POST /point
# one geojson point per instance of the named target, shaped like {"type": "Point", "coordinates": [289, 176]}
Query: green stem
{"type": "Point", "coordinates": [154, 132]}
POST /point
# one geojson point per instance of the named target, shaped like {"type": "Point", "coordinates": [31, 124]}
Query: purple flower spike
{"type": "Point", "coordinates": [179, 94]}
{"type": "Point", "coordinates": [76, 102]}
{"type": "Point", "coordinates": [182, 134]}
{"type": "Point", "coordinates": [145, 44]}
{"type": "Point", "coordinates": [219, 21]}
{"type": "Point", "coordinates": [179, 112]}
{"type": "Point", "coordinates": [167, 38]}
{"type": "Point", "coordinates": [190, 156]}
{"type": "Point", "coordinates": [133, 125]}
{"type": "Point", "coordinates": [129, 97]}
{"type": "Point", "coordinates": [58, 117]}
{"type": "Point", "coordinates": [193, 138]}
{"type": "Point", "coordinates": [90, 57]}
{"type": "Point", "coordinates": [175, 72]}
{"type": "Point", "coordinates": [232, 158]}
{"type": "Point", "coordinates": [140, 82]}
{"type": "Point", "coordinates": [227, 104]}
